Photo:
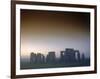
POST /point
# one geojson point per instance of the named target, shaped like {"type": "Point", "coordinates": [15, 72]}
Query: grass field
{"type": "Point", "coordinates": [27, 65]}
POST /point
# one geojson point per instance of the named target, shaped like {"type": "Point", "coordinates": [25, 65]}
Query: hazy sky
{"type": "Point", "coordinates": [43, 31]}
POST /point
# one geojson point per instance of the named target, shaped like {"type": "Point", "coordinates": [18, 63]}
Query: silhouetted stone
{"type": "Point", "coordinates": [51, 58]}
{"type": "Point", "coordinates": [43, 60]}
{"type": "Point", "coordinates": [77, 55]}
{"type": "Point", "coordinates": [61, 57]}
{"type": "Point", "coordinates": [83, 59]}
{"type": "Point", "coordinates": [33, 58]}
{"type": "Point", "coordinates": [69, 55]}
{"type": "Point", "coordinates": [68, 58]}
{"type": "Point", "coordinates": [83, 56]}
{"type": "Point", "coordinates": [40, 58]}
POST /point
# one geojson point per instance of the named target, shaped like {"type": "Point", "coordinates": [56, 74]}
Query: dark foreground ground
{"type": "Point", "coordinates": [28, 65]}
